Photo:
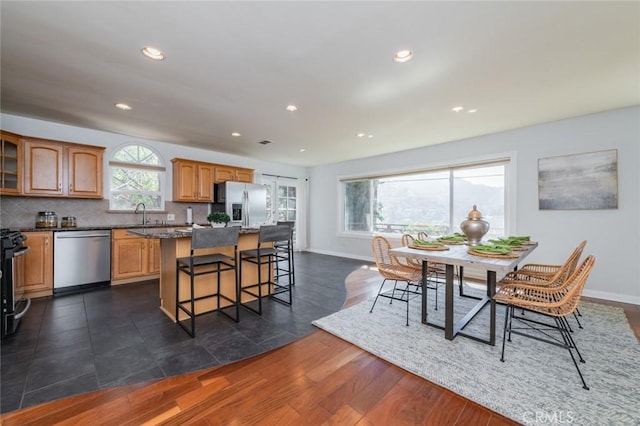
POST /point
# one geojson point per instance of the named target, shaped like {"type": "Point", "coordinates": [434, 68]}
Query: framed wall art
{"type": "Point", "coordinates": [579, 181]}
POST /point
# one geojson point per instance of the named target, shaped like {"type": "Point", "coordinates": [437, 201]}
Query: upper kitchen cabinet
{"type": "Point", "coordinates": [234, 174]}
{"type": "Point", "coordinates": [56, 169]}
{"type": "Point", "coordinates": [85, 172]}
{"type": "Point", "coordinates": [192, 181]}
{"type": "Point", "coordinates": [10, 164]}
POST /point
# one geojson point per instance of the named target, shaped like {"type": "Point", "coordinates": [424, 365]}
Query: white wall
{"type": "Point", "coordinates": [613, 236]}
{"type": "Point", "coordinates": [61, 132]}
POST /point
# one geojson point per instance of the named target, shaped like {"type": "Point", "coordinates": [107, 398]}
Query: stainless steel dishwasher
{"type": "Point", "coordinates": [81, 258]}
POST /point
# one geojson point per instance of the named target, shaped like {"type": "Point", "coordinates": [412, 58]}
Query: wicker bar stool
{"type": "Point", "coordinates": [210, 263]}
{"type": "Point", "coordinates": [267, 254]}
{"type": "Point", "coordinates": [552, 302]}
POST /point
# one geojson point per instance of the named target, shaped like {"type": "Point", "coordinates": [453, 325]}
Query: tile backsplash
{"type": "Point", "coordinates": [21, 212]}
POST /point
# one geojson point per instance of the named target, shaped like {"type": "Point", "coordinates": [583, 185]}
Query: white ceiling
{"type": "Point", "coordinates": [234, 66]}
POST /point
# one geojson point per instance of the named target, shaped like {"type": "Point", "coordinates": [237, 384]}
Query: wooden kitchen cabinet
{"type": "Point", "coordinates": [85, 172]}
{"type": "Point", "coordinates": [154, 256]}
{"type": "Point", "coordinates": [58, 169]}
{"type": "Point", "coordinates": [234, 174]}
{"type": "Point", "coordinates": [38, 264]}
{"type": "Point", "coordinates": [244, 175]}
{"type": "Point", "coordinates": [192, 181]}
{"type": "Point", "coordinates": [133, 258]}
{"type": "Point", "coordinates": [10, 164]}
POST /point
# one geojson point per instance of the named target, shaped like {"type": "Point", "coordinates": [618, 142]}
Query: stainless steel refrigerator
{"type": "Point", "coordinates": [245, 203]}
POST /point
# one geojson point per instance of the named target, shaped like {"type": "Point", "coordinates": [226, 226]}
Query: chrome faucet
{"type": "Point", "coordinates": [144, 212]}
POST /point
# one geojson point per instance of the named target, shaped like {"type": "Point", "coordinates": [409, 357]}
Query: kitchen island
{"type": "Point", "coordinates": [175, 243]}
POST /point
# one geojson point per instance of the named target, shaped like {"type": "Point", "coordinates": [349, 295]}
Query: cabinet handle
{"type": "Point", "coordinates": [70, 187]}
{"type": "Point", "coordinates": [46, 242]}
{"type": "Point", "coordinates": [60, 186]}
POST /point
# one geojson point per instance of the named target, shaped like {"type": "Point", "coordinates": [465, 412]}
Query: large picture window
{"type": "Point", "coordinates": [434, 201]}
{"type": "Point", "coordinates": [136, 176]}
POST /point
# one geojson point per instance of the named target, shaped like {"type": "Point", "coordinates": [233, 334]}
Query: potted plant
{"type": "Point", "coordinates": [218, 219]}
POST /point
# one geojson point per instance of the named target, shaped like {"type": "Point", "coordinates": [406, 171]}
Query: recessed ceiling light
{"type": "Point", "coordinates": [471, 111]}
{"type": "Point", "coordinates": [370, 136]}
{"type": "Point", "coordinates": [153, 53]}
{"type": "Point", "coordinates": [291, 108]}
{"type": "Point", "coordinates": [360, 135]}
{"type": "Point", "coordinates": [123, 107]}
{"type": "Point", "coordinates": [302, 150]}
{"type": "Point", "coordinates": [235, 134]}
{"type": "Point", "coordinates": [457, 109]}
{"type": "Point", "coordinates": [402, 56]}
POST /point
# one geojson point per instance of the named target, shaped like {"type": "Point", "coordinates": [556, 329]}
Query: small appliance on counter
{"type": "Point", "coordinates": [46, 219]}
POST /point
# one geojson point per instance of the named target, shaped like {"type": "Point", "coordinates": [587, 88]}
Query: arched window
{"type": "Point", "coordinates": [136, 176]}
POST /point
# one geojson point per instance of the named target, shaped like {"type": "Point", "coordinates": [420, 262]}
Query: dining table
{"type": "Point", "coordinates": [461, 256]}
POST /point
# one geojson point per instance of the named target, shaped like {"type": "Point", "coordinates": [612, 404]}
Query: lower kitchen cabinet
{"type": "Point", "coordinates": [38, 264]}
{"type": "Point", "coordinates": [154, 256]}
{"type": "Point", "coordinates": [133, 258]}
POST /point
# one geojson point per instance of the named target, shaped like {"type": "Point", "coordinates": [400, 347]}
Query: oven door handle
{"type": "Point", "coordinates": [21, 252]}
{"type": "Point", "coordinates": [21, 313]}
{"type": "Point", "coordinates": [24, 311]}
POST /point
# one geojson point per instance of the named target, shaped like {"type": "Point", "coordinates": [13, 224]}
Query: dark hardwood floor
{"type": "Point", "coordinates": [319, 379]}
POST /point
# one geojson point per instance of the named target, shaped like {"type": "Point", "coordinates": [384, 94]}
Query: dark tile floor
{"type": "Point", "coordinates": [107, 337]}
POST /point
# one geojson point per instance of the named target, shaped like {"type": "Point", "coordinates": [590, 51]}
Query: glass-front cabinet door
{"type": "Point", "coordinates": [10, 162]}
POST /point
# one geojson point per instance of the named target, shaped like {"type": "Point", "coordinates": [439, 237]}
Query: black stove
{"type": "Point", "coordinates": [10, 241]}
{"type": "Point", "coordinates": [14, 305]}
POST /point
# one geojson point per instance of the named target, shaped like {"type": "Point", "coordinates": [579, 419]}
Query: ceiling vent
{"type": "Point", "coordinates": [264, 142]}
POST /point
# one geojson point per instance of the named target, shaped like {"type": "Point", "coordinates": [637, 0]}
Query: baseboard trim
{"type": "Point", "coordinates": [605, 295]}
{"type": "Point", "coordinates": [347, 255]}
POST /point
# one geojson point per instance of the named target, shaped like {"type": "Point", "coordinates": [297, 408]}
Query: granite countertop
{"type": "Point", "coordinates": [175, 232]}
{"type": "Point", "coordinates": [145, 231]}
{"type": "Point", "coordinates": [101, 227]}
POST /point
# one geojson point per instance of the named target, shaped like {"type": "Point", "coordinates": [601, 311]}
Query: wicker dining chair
{"type": "Point", "coordinates": [547, 271]}
{"type": "Point", "coordinates": [435, 270]}
{"type": "Point", "coordinates": [422, 235]}
{"type": "Point", "coordinates": [551, 302]}
{"type": "Point", "coordinates": [392, 269]}
{"type": "Point", "coordinates": [546, 275]}
{"type": "Point", "coordinates": [407, 240]}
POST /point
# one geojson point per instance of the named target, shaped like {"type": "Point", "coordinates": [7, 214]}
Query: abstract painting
{"type": "Point", "coordinates": [579, 181]}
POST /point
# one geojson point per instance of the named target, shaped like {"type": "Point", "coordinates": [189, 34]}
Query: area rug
{"type": "Point", "coordinates": [537, 383]}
